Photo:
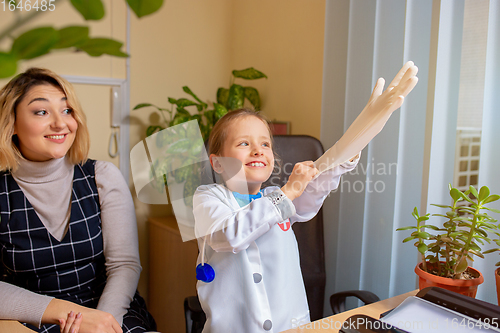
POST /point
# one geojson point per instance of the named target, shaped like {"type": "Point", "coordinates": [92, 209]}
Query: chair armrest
{"type": "Point", "coordinates": [337, 300]}
{"type": "Point", "coordinates": [193, 314]}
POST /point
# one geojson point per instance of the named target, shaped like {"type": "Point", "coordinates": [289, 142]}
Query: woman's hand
{"type": "Point", "coordinates": [96, 321]}
{"type": "Point", "coordinates": [301, 175]}
{"type": "Point", "coordinates": [91, 320]}
{"type": "Point", "coordinates": [71, 324]}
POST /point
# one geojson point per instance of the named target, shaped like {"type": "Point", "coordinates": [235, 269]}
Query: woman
{"type": "Point", "coordinates": [68, 234]}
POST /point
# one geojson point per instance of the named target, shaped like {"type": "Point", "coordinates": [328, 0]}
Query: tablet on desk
{"type": "Point", "coordinates": [432, 310]}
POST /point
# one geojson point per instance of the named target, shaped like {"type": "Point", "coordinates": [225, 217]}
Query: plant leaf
{"type": "Point", "coordinates": [72, 36]}
{"type": "Point", "coordinates": [405, 228]}
{"type": "Point", "coordinates": [183, 102]}
{"type": "Point", "coordinates": [424, 235]}
{"type": "Point", "coordinates": [455, 194]}
{"type": "Point", "coordinates": [8, 65]}
{"type": "Point", "coordinates": [441, 206]}
{"type": "Point", "coordinates": [407, 239]}
{"type": "Point", "coordinates": [249, 74]}
{"type": "Point", "coordinates": [151, 129]}
{"type": "Point", "coordinates": [34, 43]}
{"type": "Point", "coordinates": [484, 192]}
{"type": "Point", "coordinates": [430, 226]}
{"type": "Point", "coordinates": [422, 248]}
{"type": "Point", "coordinates": [180, 146]}
{"type": "Point", "coordinates": [253, 96]}
{"type": "Point", "coordinates": [220, 111]}
{"type": "Point", "coordinates": [473, 190]}
{"type": "Point", "coordinates": [222, 96]}
{"type": "Point", "coordinates": [491, 198]}
{"type": "Point", "coordinates": [143, 105]}
{"type": "Point", "coordinates": [180, 119]}
{"type": "Point", "coordinates": [236, 97]}
{"type": "Point", "coordinates": [462, 266]}
{"type": "Point", "coordinates": [492, 210]}
{"type": "Point", "coordinates": [144, 7]}
{"type": "Point", "coordinates": [181, 112]}
{"type": "Point", "coordinates": [90, 9]}
{"type": "Point", "coordinates": [188, 91]}
{"type": "Point", "coordinates": [96, 47]}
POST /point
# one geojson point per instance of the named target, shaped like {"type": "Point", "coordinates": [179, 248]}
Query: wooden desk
{"type": "Point", "coordinates": [333, 323]}
{"type": "Point", "coordinates": [12, 326]}
{"type": "Point", "coordinates": [172, 273]}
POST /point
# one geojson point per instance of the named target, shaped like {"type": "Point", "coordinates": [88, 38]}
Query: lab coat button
{"type": "Point", "coordinates": [267, 325]}
{"type": "Point", "coordinates": [257, 277]}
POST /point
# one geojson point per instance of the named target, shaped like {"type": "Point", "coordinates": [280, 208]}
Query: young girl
{"type": "Point", "coordinates": [258, 284]}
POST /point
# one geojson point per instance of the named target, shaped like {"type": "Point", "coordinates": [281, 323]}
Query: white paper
{"type": "Point", "coordinates": [416, 315]}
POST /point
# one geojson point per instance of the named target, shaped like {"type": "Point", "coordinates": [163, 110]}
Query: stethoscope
{"type": "Point", "coordinates": [204, 272]}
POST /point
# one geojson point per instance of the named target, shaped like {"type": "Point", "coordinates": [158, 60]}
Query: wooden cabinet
{"type": "Point", "coordinates": [172, 275]}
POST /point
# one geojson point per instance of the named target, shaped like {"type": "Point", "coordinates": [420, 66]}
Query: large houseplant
{"type": "Point", "coordinates": [446, 250]}
{"type": "Point", "coordinates": [227, 99]}
{"type": "Point", "coordinates": [180, 146]}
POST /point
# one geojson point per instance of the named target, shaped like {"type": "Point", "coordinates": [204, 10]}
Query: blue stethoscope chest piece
{"type": "Point", "coordinates": [205, 273]}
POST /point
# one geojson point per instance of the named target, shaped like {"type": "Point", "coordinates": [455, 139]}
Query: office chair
{"type": "Point", "coordinates": [290, 150]}
{"type": "Point", "coordinates": [337, 300]}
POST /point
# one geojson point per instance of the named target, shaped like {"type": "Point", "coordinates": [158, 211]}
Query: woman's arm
{"type": "Point", "coordinates": [25, 306]}
{"type": "Point", "coordinates": [230, 228]}
{"type": "Point", "coordinates": [21, 304]}
{"type": "Point", "coordinates": [121, 246]}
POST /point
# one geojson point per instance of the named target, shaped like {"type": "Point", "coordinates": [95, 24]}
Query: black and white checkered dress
{"type": "Point", "coordinates": [72, 269]}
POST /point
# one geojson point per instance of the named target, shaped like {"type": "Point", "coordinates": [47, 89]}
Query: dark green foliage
{"type": "Point", "coordinates": [42, 40]}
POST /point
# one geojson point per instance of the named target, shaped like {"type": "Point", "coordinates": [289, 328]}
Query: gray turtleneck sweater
{"type": "Point", "coordinates": [47, 186]}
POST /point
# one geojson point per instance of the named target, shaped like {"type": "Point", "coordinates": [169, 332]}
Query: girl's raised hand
{"type": "Point", "coordinates": [71, 324]}
{"type": "Point", "coordinates": [301, 175]}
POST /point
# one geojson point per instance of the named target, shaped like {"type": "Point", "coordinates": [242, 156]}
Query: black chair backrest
{"type": "Point", "coordinates": [290, 150]}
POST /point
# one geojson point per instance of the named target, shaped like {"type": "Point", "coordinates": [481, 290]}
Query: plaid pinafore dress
{"type": "Point", "coordinates": [72, 269]}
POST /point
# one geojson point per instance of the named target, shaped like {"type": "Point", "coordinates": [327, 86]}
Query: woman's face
{"type": "Point", "coordinates": [44, 124]}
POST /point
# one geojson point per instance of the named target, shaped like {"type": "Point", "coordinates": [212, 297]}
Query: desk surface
{"type": "Point", "coordinates": [12, 326]}
{"type": "Point", "coordinates": [333, 323]}
{"type": "Point", "coordinates": [324, 325]}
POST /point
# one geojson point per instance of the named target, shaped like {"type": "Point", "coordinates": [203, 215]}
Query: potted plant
{"type": "Point", "coordinates": [446, 251]}
{"type": "Point", "coordinates": [179, 145]}
{"type": "Point", "coordinates": [227, 99]}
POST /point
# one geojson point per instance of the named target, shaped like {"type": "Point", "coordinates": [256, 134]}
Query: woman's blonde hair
{"type": "Point", "coordinates": [10, 97]}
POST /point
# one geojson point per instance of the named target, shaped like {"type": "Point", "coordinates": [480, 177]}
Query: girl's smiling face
{"type": "Point", "coordinates": [44, 124]}
{"type": "Point", "coordinates": [248, 143]}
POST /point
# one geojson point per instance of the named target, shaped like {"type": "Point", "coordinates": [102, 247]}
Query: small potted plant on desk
{"type": "Point", "coordinates": [446, 251]}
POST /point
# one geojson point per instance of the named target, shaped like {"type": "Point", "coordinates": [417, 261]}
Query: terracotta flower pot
{"type": "Point", "coordinates": [464, 287]}
{"type": "Point", "coordinates": [497, 279]}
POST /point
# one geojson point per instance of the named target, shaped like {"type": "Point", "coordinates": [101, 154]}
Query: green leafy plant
{"type": "Point", "coordinates": [227, 99]}
{"type": "Point", "coordinates": [39, 41]}
{"type": "Point", "coordinates": [464, 230]}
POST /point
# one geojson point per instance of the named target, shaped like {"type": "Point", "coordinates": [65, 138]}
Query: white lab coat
{"type": "Point", "coordinates": [258, 285]}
